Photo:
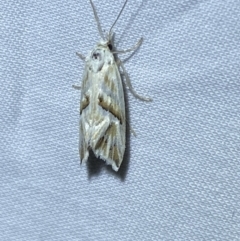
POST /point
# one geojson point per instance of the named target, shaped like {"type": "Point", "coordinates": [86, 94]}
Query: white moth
{"type": "Point", "coordinates": [102, 107]}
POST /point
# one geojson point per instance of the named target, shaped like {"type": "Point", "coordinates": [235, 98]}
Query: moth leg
{"type": "Point", "coordinates": [76, 87]}
{"type": "Point", "coordinates": [129, 85]}
{"type": "Point", "coordinates": [82, 57]}
{"type": "Point", "coordinates": [130, 49]}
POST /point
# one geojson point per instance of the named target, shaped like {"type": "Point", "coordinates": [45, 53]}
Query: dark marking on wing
{"type": "Point", "coordinates": [112, 152]}
{"type": "Point", "coordinates": [111, 132]}
{"type": "Point", "coordinates": [110, 107]}
{"type": "Point", "coordinates": [84, 103]}
{"type": "Point", "coordinates": [83, 145]}
{"type": "Point", "coordinates": [100, 143]}
{"type": "Point", "coordinates": [114, 155]}
{"type": "Point", "coordinates": [109, 84]}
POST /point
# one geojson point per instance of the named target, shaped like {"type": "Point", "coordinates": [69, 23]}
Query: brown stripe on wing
{"type": "Point", "coordinates": [110, 84]}
{"type": "Point", "coordinates": [111, 132]}
{"type": "Point", "coordinates": [114, 155]}
{"type": "Point", "coordinates": [112, 151]}
{"type": "Point", "coordinates": [111, 107]}
{"type": "Point", "coordinates": [84, 103]}
{"type": "Point", "coordinates": [101, 144]}
{"type": "Point", "coordinates": [83, 145]}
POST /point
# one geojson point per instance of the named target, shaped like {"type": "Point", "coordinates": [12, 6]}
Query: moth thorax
{"type": "Point", "coordinates": [97, 60]}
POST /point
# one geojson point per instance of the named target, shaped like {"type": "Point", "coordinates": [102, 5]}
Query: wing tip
{"type": "Point", "coordinates": [115, 164]}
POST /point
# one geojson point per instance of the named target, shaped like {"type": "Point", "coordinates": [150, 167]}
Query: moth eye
{"type": "Point", "coordinates": [110, 46]}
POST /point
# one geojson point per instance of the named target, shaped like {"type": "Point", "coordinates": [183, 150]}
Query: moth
{"type": "Point", "coordinates": [102, 106]}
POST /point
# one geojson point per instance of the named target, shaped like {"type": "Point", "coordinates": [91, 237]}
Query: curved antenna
{"type": "Point", "coordinates": [118, 17]}
{"type": "Point", "coordinates": [97, 20]}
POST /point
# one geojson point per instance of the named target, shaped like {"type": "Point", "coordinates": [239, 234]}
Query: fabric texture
{"type": "Point", "coordinates": [180, 178]}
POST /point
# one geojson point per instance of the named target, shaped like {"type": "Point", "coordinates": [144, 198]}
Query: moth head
{"type": "Point", "coordinates": [107, 41]}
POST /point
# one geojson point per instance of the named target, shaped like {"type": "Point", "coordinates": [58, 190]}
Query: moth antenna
{"type": "Point", "coordinates": [97, 20]}
{"type": "Point", "coordinates": [117, 17]}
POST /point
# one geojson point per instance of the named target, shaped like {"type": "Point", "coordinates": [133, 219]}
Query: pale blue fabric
{"type": "Point", "coordinates": [180, 179]}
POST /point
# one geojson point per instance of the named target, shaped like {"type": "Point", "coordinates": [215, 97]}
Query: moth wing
{"type": "Point", "coordinates": [110, 146]}
{"type": "Point", "coordinates": [84, 111]}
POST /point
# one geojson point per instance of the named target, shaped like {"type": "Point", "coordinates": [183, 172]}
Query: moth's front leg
{"type": "Point", "coordinates": [82, 57]}
{"type": "Point", "coordinates": [76, 87]}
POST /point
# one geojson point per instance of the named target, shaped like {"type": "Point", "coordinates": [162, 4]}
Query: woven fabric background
{"type": "Point", "coordinates": [180, 179]}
